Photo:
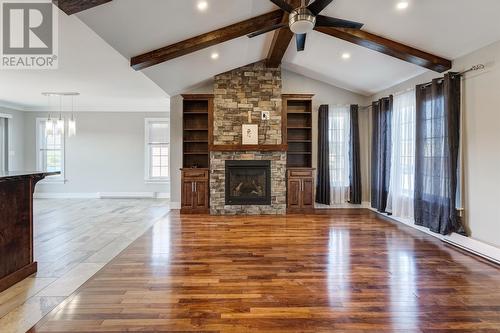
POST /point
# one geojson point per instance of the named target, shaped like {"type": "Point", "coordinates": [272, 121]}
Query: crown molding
{"type": "Point", "coordinates": [106, 108]}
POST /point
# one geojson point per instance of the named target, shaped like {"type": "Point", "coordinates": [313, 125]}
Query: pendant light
{"type": "Point", "coordinates": [49, 124]}
{"type": "Point", "coordinates": [72, 121]}
{"type": "Point", "coordinates": [60, 121]}
{"type": "Point", "coordinates": [57, 126]}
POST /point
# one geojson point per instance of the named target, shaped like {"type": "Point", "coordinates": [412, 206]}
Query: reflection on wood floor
{"type": "Point", "coordinates": [341, 271]}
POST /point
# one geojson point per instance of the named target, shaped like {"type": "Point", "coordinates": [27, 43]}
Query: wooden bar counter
{"type": "Point", "coordinates": [16, 225]}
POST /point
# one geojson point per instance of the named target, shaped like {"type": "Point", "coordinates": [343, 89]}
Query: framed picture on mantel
{"type": "Point", "coordinates": [250, 134]}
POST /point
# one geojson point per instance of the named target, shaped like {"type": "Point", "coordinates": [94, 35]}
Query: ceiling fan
{"type": "Point", "coordinates": [304, 18]}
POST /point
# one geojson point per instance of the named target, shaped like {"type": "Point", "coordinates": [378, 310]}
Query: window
{"type": "Point", "coordinates": [50, 149]}
{"type": "Point", "coordinates": [402, 179]}
{"type": "Point", "coordinates": [339, 132]}
{"type": "Point", "coordinates": [435, 157]}
{"type": "Point", "coordinates": [4, 151]}
{"type": "Point", "coordinates": [157, 149]}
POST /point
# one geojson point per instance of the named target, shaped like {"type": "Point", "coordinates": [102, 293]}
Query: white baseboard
{"type": "Point", "coordinates": [127, 195]}
{"type": "Point", "coordinates": [162, 195]}
{"type": "Point", "coordinates": [102, 195]}
{"type": "Point", "coordinates": [468, 244]}
{"type": "Point", "coordinates": [51, 195]}
{"type": "Point", "coordinates": [175, 205]}
{"type": "Point", "coordinates": [342, 206]}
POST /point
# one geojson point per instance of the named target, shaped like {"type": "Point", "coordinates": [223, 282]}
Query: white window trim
{"type": "Point", "coordinates": [61, 179]}
{"type": "Point", "coordinates": [5, 149]}
{"type": "Point", "coordinates": [147, 161]}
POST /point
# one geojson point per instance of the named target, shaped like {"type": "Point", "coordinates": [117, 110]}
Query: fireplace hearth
{"type": "Point", "coordinates": [248, 182]}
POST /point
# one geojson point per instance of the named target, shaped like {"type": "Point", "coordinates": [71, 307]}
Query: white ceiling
{"type": "Point", "coordinates": [141, 26]}
{"type": "Point", "coordinates": [87, 65]}
{"type": "Point", "coordinates": [436, 26]}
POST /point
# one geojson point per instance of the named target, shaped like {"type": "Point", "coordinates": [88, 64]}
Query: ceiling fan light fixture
{"type": "Point", "coordinates": [302, 21]}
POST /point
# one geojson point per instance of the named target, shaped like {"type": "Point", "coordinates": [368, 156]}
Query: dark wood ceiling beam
{"type": "Point", "coordinates": [206, 40]}
{"type": "Point", "coordinates": [71, 7]}
{"type": "Point", "coordinates": [281, 40]}
{"type": "Point", "coordinates": [389, 47]}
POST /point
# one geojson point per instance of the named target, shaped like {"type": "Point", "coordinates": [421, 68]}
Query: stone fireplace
{"type": "Point", "coordinates": [253, 88]}
{"type": "Point", "coordinates": [248, 182]}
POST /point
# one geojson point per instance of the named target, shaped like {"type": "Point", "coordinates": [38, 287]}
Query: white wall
{"type": "Point", "coordinates": [175, 148]}
{"type": "Point", "coordinates": [16, 139]}
{"type": "Point", "coordinates": [481, 140]}
{"type": "Point", "coordinates": [292, 83]}
{"type": "Point", "coordinates": [106, 155]}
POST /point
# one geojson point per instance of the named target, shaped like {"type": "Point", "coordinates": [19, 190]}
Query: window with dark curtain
{"type": "Point", "coordinates": [354, 158]}
{"type": "Point", "coordinates": [323, 183]}
{"type": "Point", "coordinates": [436, 154]}
{"type": "Point", "coordinates": [381, 152]}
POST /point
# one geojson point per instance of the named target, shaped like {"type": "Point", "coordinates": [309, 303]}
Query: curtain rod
{"type": "Point", "coordinates": [472, 69]}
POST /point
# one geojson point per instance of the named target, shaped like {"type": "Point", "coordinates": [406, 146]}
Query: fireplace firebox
{"type": "Point", "coordinates": [248, 182]}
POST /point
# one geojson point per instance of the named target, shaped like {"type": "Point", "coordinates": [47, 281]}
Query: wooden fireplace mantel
{"type": "Point", "coordinates": [266, 148]}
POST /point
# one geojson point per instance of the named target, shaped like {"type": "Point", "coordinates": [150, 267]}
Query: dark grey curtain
{"type": "Point", "coordinates": [381, 152]}
{"type": "Point", "coordinates": [436, 154]}
{"type": "Point", "coordinates": [354, 159]}
{"type": "Point", "coordinates": [323, 183]}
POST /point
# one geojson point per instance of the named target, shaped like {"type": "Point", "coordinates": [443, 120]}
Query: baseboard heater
{"type": "Point", "coordinates": [481, 254]}
{"type": "Point", "coordinates": [464, 243]}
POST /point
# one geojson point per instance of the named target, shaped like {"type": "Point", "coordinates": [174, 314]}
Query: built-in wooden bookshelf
{"type": "Point", "coordinates": [197, 130]}
{"type": "Point", "coordinates": [297, 129]}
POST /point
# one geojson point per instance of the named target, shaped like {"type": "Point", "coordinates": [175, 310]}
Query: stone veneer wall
{"type": "Point", "coordinates": [250, 88]}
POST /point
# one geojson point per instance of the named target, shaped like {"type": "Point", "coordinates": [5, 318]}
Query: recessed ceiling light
{"type": "Point", "coordinates": [202, 5]}
{"type": "Point", "coordinates": [214, 55]}
{"type": "Point", "coordinates": [346, 55]}
{"type": "Point", "coordinates": [402, 5]}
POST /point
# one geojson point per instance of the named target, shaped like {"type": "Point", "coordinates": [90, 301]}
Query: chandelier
{"type": "Point", "coordinates": [61, 102]}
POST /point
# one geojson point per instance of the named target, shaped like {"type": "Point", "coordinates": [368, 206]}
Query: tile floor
{"type": "Point", "coordinates": [74, 238]}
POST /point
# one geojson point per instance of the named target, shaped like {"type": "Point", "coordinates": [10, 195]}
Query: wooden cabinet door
{"type": "Point", "coordinates": [201, 195]}
{"type": "Point", "coordinates": [294, 193]}
{"type": "Point", "coordinates": [187, 195]}
{"type": "Point", "coordinates": [307, 193]}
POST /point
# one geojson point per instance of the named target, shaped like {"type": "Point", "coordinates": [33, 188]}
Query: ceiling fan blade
{"type": "Point", "coordinates": [317, 6]}
{"type": "Point", "coordinates": [301, 41]}
{"type": "Point", "coordinates": [270, 28]}
{"type": "Point", "coordinates": [326, 21]}
{"type": "Point", "coordinates": [283, 5]}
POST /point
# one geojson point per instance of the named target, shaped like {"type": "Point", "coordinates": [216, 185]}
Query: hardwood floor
{"type": "Point", "coordinates": [341, 271]}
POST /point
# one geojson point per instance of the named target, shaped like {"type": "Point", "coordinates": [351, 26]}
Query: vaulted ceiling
{"type": "Point", "coordinates": [445, 28]}
{"type": "Point", "coordinates": [89, 66]}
